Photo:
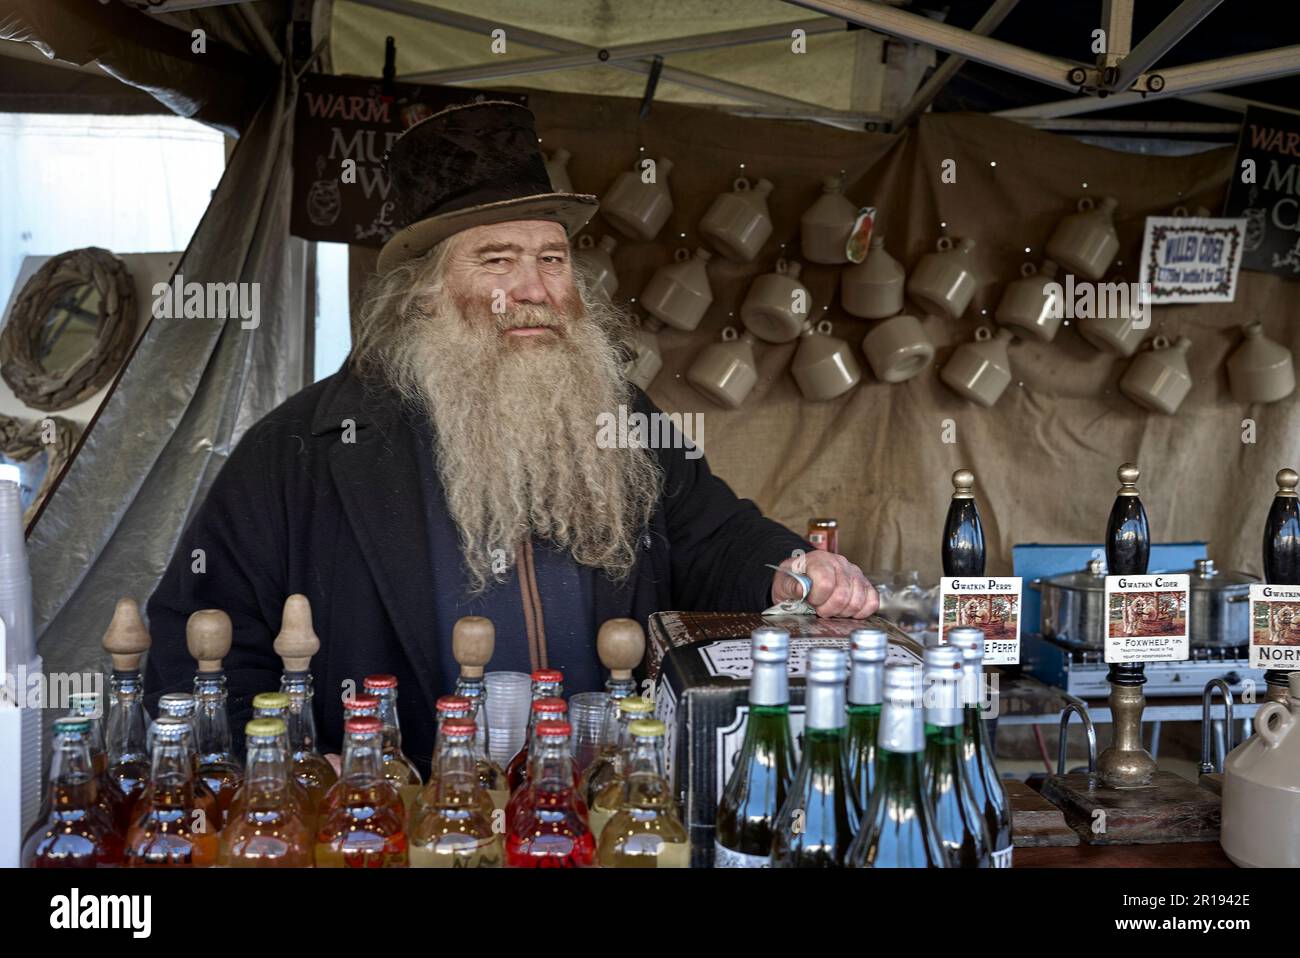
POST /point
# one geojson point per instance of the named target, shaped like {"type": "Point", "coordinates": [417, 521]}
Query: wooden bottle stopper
{"type": "Point", "coordinates": [297, 641]}
{"type": "Point", "coordinates": [207, 636]}
{"type": "Point", "coordinates": [963, 481]}
{"type": "Point", "coordinates": [621, 646]}
{"type": "Point", "coordinates": [126, 639]}
{"type": "Point", "coordinates": [473, 639]}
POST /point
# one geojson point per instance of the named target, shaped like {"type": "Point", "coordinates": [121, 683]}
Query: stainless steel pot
{"type": "Point", "coordinates": [1218, 613]}
{"type": "Point", "coordinates": [1073, 609]}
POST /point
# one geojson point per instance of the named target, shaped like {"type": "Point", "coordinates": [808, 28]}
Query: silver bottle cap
{"type": "Point", "coordinates": [943, 683]}
{"type": "Point", "coordinates": [178, 704]}
{"type": "Point", "coordinates": [870, 649]}
{"type": "Point", "coordinates": [827, 670]}
{"type": "Point", "coordinates": [827, 664]}
{"type": "Point", "coordinates": [769, 644]}
{"type": "Point", "coordinates": [170, 728]}
{"type": "Point", "coordinates": [869, 645]}
{"type": "Point", "coordinates": [970, 641]}
{"type": "Point", "coordinates": [901, 725]}
{"type": "Point", "coordinates": [769, 683]}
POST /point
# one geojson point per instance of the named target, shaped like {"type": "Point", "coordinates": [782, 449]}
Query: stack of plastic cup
{"type": "Point", "coordinates": [509, 697]}
{"type": "Point", "coordinates": [587, 716]}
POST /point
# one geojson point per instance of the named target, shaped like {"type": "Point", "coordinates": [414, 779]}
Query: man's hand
{"type": "Point", "coordinates": [838, 586]}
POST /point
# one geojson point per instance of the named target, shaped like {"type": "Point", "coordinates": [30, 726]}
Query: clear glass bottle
{"type": "Point", "coordinates": [72, 832]}
{"type": "Point", "coordinates": [86, 705]}
{"type": "Point", "coordinates": [547, 684]}
{"type": "Point", "coordinates": [543, 710]}
{"type": "Point", "coordinates": [184, 705]}
{"type": "Point", "coordinates": [128, 758]}
{"type": "Point", "coordinates": [449, 708]}
{"type": "Point", "coordinates": [312, 770]}
{"type": "Point", "coordinates": [398, 769]}
{"type": "Point", "coordinates": [959, 817]}
{"type": "Point", "coordinates": [264, 826]}
{"type": "Point", "coordinates": [275, 706]}
{"type": "Point", "coordinates": [490, 775]}
{"type": "Point", "coordinates": [170, 829]}
{"type": "Point", "coordinates": [898, 828]}
{"type": "Point", "coordinates": [760, 780]}
{"type": "Point", "coordinates": [819, 818]}
{"type": "Point", "coordinates": [449, 827]}
{"type": "Point", "coordinates": [549, 828]}
{"type": "Point", "coordinates": [868, 650]}
{"type": "Point", "coordinates": [362, 820]}
{"type": "Point", "coordinates": [218, 765]}
{"type": "Point", "coordinates": [646, 831]}
{"type": "Point", "coordinates": [602, 789]}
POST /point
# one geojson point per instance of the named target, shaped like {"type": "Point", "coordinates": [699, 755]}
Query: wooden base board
{"type": "Point", "coordinates": [1036, 822]}
{"type": "Point", "coordinates": [1168, 809]}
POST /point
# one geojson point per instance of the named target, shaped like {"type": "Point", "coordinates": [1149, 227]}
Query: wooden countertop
{"type": "Point", "coordinates": [1177, 855]}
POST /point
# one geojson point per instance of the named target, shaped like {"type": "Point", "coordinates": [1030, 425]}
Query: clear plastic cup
{"type": "Point", "coordinates": [587, 716]}
{"type": "Point", "coordinates": [508, 698]}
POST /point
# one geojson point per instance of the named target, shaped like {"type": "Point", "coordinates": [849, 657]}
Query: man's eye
{"type": "Point", "coordinates": [555, 259]}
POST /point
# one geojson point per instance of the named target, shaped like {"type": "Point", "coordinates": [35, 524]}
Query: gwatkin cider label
{"type": "Point", "coordinates": [1275, 627]}
{"type": "Point", "coordinates": [1146, 618]}
{"type": "Point", "coordinates": [990, 603]}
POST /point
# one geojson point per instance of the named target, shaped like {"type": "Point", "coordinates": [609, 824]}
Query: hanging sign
{"type": "Point", "coordinates": [1192, 259]}
{"type": "Point", "coordinates": [1265, 190]}
{"type": "Point", "coordinates": [341, 130]}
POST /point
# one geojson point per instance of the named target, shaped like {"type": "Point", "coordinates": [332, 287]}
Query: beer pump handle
{"type": "Point", "coordinates": [621, 646]}
{"type": "Point", "coordinates": [207, 636]}
{"type": "Point", "coordinates": [126, 638]}
{"type": "Point", "coordinates": [473, 639]}
{"type": "Point", "coordinates": [1128, 535]}
{"type": "Point", "coordinates": [1282, 533]}
{"type": "Point", "coordinates": [963, 534]}
{"type": "Point", "coordinates": [297, 641]}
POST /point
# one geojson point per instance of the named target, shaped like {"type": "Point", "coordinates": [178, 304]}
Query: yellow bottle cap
{"type": "Point", "coordinates": [635, 705]}
{"type": "Point", "coordinates": [646, 728]}
{"type": "Point", "coordinates": [270, 700]}
{"type": "Point", "coordinates": [264, 728]}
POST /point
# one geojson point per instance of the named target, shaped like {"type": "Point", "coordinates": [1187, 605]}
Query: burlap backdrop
{"type": "Point", "coordinates": [1045, 455]}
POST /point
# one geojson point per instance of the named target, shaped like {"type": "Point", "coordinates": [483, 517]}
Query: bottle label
{"type": "Point", "coordinates": [1002, 857]}
{"type": "Point", "coordinates": [1146, 618]}
{"type": "Point", "coordinates": [1275, 627]}
{"type": "Point", "coordinates": [990, 603]}
{"type": "Point", "coordinates": [724, 857]}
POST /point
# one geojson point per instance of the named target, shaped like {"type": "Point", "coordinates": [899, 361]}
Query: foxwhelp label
{"type": "Point", "coordinates": [990, 603]}
{"type": "Point", "coordinates": [1275, 627]}
{"type": "Point", "coordinates": [1146, 618]}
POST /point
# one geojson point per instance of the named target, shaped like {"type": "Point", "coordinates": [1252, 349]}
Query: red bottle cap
{"type": "Point", "coordinates": [554, 729]}
{"type": "Point", "coordinates": [363, 725]}
{"type": "Point", "coordinates": [380, 682]}
{"type": "Point", "coordinates": [454, 703]}
{"type": "Point", "coordinates": [358, 702]}
{"type": "Point", "coordinates": [550, 706]}
{"type": "Point", "coordinates": [465, 727]}
{"type": "Point", "coordinates": [548, 675]}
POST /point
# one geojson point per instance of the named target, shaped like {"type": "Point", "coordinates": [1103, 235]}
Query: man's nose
{"type": "Point", "coordinates": [528, 286]}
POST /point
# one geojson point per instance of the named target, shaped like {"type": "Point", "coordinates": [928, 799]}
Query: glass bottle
{"type": "Point", "coordinates": [646, 832]}
{"type": "Point", "coordinates": [86, 705]}
{"type": "Point", "coordinates": [128, 759]}
{"type": "Point", "coordinates": [959, 818]}
{"type": "Point", "coordinates": [542, 709]}
{"type": "Point", "coordinates": [170, 829]}
{"type": "Point", "coordinates": [760, 780]}
{"type": "Point", "coordinates": [449, 708]}
{"type": "Point", "coordinates": [264, 826]}
{"type": "Point", "coordinates": [549, 829]}
{"type": "Point", "coordinates": [361, 705]}
{"type": "Point", "coordinates": [490, 775]}
{"type": "Point", "coordinates": [817, 823]}
{"type": "Point", "coordinates": [869, 649]}
{"type": "Point", "coordinates": [275, 706]}
{"type": "Point", "coordinates": [398, 769]}
{"type": "Point", "coordinates": [977, 753]}
{"type": "Point", "coordinates": [310, 767]}
{"type": "Point", "coordinates": [449, 827]}
{"type": "Point", "coordinates": [72, 833]}
{"type": "Point", "coordinates": [218, 765]}
{"type": "Point", "coordinates": [897, 829]}
{"type": "Point", "coordinates": [547, 684]}
{"type": "Point", "coordinates": [183, 705]}
{"type": "Point", "coordinates": [602, 790]}
{"type": "Point", "coordinates": [362, 820]}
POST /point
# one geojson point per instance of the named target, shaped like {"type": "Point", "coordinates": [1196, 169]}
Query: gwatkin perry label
{"type": "Point", "coordinates": [1275, 627]}
{"type": "Point", "coordinates": [990, 603]}
{"type": "Point", "coordinates": [1146, 618]}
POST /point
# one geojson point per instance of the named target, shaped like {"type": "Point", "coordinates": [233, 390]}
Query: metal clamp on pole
{"type": "Point", "coordinates": [1207, 698]}
{"type": "Point", "coordinates": [1073, 704]}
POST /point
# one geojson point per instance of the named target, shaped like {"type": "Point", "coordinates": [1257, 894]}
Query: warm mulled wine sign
{"type": "Point", "coordinates": [1192, 259]}
{"type": "Point", "coordinates": [342, 128]}
{"type": "Point", "coordinates": [1265, 189]}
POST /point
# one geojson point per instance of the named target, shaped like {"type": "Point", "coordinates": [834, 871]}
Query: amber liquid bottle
{"type": "Point", "coordinates": [646, 831]}
{"type": "Point", "coordinates": [451, 824]}
{"type": "Point", "coordinates": [169, 830]}
{"type": "Point", "coordinates": [398, 769]}
{"type": "Point", "coordinates": [73, 833]}
{"type": "Point", "coordinates": [310, 767]}
{"type": "Point", "coordinates": [264, 828]}
{"type": "Point", "coordinates": [452, 708]}
{"type": "Point", "coordinates": [183, 705]}
{"type": "Point", "coordinates": [128, 759]}
{"type": "Point", "coordinates": [275, 707]}
{"type": "Point", "coordinates": [604, 785]}
{"type": "Point", "coordinates": [219, 768]}
{"type": "Point", "coordinates": [362, 820]}
{"type": "Point", "coordinates": [85, 705]}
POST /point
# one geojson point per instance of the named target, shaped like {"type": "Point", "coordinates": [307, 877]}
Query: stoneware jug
{"type": "Point", "coordinates": [1029, 306]}
{"type": "Point", "coordinates": [824, 366]}
{"type": "Point", "coordinates": [738, 223]}
{"type": "Point", "coordinates": [679, 293]}
{"type": "Point", "coordinates": [647, 359]}
{"type": "Point", "coordinates": [1260, 369]}
{"type": "Point", "coordinates": [1159, 380]}
{"type": "Point", "coordinates": [597, 263]}
{"type": "Point", "coordinates": [944, 282]}
{"type": "Point", "coordinates": [777, 304]}
{"type": "Point", "coordinates": [725, 371]}
{"type": "Point", "coordinates": [824, 229]}
{"type": "Point", "coordinates": [557, 168]}
{"type": "Point", "coordinates": [980, 371]}
{"type": "Point", "coordinates": [636, 208]}
{"type": "Point", "coordinates": [873, 289]}
{"type": "Point", "coordinates": [1085, 243]}
{"type": "Point", "coordinates": [1261, 789]}
{"type": "Point", "coordinates": [1120, 331]}
{"type": "Point", "coordinates": [897, 349]}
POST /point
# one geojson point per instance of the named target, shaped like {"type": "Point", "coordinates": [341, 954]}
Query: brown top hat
{"type": "Point", "coordinates": [469, 165]}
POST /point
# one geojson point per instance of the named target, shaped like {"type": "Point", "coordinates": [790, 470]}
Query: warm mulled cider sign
{"type": "Point", "coordinates": [1265, 189]}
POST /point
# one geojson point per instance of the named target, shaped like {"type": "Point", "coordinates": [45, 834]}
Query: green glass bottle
{"type": "Point", "coordinates": [977, 754]}
{"type": "Point", "coordinates": [898, 829]}
{"type": "Point", "coordinates": [820, 815]}
{"type": "Point", "coordinates": [870, 648]}
{"type": "Point", "coordinates": [760, 780]}
{"type": "Point", "coordinates": [958, 816]}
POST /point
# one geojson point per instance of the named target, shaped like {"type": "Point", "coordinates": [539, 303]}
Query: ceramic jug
{"type": "Point", "coordinates": [647, 359]}
{"type": "Point", "coordinates": [897, 349]}
{"type": "Point", "coordinates": [557, 168]}
{"type": "Point", "coordinates": [1159, 380]}
{"type": "Point", "coordinates": [636, 208]}
{"type": "Point", "coordinates": [679, 293]}
{"type": "Point", "coordinates": [1120, 326]}
{"type": "Point", "coordinates": [1261, 789]}
{"type": "Point", "coordinates": [824, 366]}
{"type": "Point", "coordinates": [824, 229]}
{"type": "Point", "coordinates": [873, 289]}
{"type": "Point", "coordinates": [980, 371]}
{"type": "Point", "coordinates": [726, 372]}
{"type": "Point", "coordinates": [1260, 369]}
{"type": "Point", "coordinates": [1029, 306]}
{"type": "Point", "coordinates": [738, 223]}
{"type": "Point", "coordinates": [944, 282]}
{"type": "Point", "coordinates": [777, 304]}
{"type": "Point", "coordinates": [1085, 243]}
{"type": "Point", "coordinates": [597, 263]}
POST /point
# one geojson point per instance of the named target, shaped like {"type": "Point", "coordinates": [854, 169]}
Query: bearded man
{"type": "Point", "coordinates": [452, 468]}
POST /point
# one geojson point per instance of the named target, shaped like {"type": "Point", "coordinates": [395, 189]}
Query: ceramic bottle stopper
{"type": "Point", "coordinates": [207, 635]}
{"type": "Point", "coordinates": [126, 639]}
{"type": "Point", "coordinates": [620, 643]}
{"type": "Point", "coordinates": [963, 534]}
{"type": "Point", "coordinates": [297, 641]}
{"type": "Point", "coordinates": [1125, 762]}
{"type": "Point", "coordinates": [1282, 557]}
{"type": "Point", "coordinates": [473, 640]}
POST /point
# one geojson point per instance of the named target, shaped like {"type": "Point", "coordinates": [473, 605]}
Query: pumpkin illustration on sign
{"type": "Point", "coordinates": [324, 201]}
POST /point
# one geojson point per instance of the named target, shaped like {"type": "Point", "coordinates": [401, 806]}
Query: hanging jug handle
{"type": "Point", "coordinates": [1272, 737]}
{"type": "Point", "coordinates": [782, 266]}
{"type": "Point", "coordinates": [1160, 342]}
{"type": "Point", "coordinates": [740, 185]}
{"type": "Point", "coordinates": [682, 254]}
{"type": "Point", "coordinates": [585, 241]}
{"type": "Point", "coordinates": [824, 327]}
{"type": "Point", "coordinates": [982, 333]}
{"type": "Point", "coordinates": [729, 333]}
{"type": "Point", "coordinates": [944, 244]}
{"type": "Point", "coordinates": [1028, 269]}
{"type": "Point", "coordinates": [1086, 203]}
